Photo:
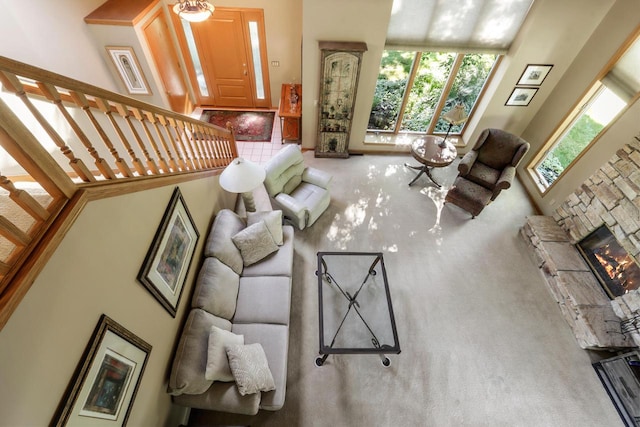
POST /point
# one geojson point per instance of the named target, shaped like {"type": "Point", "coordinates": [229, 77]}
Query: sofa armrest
{"type": "Point", "coordinates": [223, 397]}
{"type": "Point", "coordinates": [292, 209]}
{"type": "Point", "coordinates": [467, 162]}
{"type": "Point", "coordinates": [317, 177]}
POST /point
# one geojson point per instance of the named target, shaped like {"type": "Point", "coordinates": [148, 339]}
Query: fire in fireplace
{"type": "Point", "coordinates": [614, 267]}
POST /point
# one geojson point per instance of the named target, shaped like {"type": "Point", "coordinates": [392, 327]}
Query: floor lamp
{"type": "Point", "coordinates": [242, 176]}
{"type": "Point", "coordinates": [455, 116]}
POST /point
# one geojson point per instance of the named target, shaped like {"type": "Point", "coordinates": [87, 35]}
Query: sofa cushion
{"type": "Point", "coordinates": [226, 224]}
{"type": "Point", "coordinates": [217, 363]}
{"type": "Point", "coordinates": [275, 342]}
{"type": "Point", "coordinates": [279, 263]}
{"type": "Point", "coordinates": [264, 299]}
{"type": "Point", "coordinates": [273, 221]}
{"type": "Point", "coordinates": [255, 243]}
{"type": "Point", "coordinates": [216, 289]}
{"type": "Point", "coordinates": [250, 368]}
{"type": "Point", "coordinates": [190, 362]}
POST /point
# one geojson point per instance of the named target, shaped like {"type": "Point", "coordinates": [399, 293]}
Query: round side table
{"type": "Point", "coordinates": [432, 152]}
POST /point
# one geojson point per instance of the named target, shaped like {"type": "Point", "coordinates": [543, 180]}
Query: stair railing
{"type": "Point", "coordinates": [60, 138]}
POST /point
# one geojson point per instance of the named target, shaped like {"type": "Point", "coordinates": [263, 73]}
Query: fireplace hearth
{"type": "Point", "coordinates": [615, 269]}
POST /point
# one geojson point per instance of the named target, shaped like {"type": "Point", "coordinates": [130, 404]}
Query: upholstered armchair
{"type": "Point", "coordinates": [301, 192]}
{"type": "Point", "coordinates": [486, 170]}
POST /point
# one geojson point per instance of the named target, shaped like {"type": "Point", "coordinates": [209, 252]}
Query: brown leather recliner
{"type": "Point", "coordinates": [486, 170]}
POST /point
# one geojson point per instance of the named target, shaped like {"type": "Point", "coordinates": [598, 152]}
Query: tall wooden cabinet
{"type": "Point", "coordinates": [340, 64]}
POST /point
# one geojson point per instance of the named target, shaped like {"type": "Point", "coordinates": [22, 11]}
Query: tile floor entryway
{"type": "Point", "coordinates": [258, 152]}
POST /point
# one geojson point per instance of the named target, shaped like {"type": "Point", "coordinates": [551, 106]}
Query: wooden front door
{"type": "Point", "coordinates": [235, 75]}
{"type": "Point", "coordinates": [165, 57]}
{"type": "Point", "coordinates": [222, 49]}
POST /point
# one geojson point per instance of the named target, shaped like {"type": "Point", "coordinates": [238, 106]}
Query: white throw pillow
{"type": "Point", "coordinates": [273, 221]}
{"type": "Point", "coordinates": [217, 363]}
{"type": "Point", "coordinates": [255, 243]}
{"type": "Point", "coordinates": [250, 368]}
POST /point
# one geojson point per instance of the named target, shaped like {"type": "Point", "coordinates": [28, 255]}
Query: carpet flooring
{"type": "Point", "coordinates": [483, 342]}
{"type": "Point", "coordinates": [248, 125]}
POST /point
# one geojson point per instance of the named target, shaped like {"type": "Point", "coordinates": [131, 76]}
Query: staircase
{"type": "Point", "coordinates": [64, 142]}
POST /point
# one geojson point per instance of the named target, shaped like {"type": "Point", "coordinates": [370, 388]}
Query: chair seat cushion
{"type": "Point", "coordinates": [314, 198]}
{"type": "Point", "coordinates": [483, 175]}
{"type": "Point", "coordinates": [468, 195]}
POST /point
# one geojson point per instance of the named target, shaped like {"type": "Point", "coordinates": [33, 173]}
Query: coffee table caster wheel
{"type": "Point", "coordinates": [386, 362]}
{"type": "Point", "coordinates": [319, 361]}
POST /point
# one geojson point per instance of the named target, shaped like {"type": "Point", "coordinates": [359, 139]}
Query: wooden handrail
{"type": "Point", "coordinates": [90, 140]}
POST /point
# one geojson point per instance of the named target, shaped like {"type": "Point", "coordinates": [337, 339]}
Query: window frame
{"type": "Point", "coordinates": [440, 105]}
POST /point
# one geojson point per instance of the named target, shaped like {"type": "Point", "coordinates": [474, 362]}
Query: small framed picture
{"type": "Point", "coordinates": [534, 74]}
{"type": "Point", "coordinates": [521, 96]}
{"type": "Point", "coordinates": [167, 263]}
{"type": "Point", "coordinates": [129, 69]}
{"type": "Point", "coordinates": [107, 379]}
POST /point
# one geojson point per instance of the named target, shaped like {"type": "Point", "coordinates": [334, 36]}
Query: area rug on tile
{"type": "Point", "coordinates": [254, 126]}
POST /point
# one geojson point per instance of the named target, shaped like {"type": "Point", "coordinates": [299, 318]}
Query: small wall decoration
{"type": "Point", "coordinates": [107, 379]}
{"type": "Point", "coordinates": [534, 74]}
{"type": "Point", "coordinates": [166, 265]}
{"type": "Point", "coordinates": [129, 69]}
{"type": "Point", "coordinates": [521, 96]}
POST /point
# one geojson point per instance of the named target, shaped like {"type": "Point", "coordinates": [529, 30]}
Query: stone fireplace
{"type": "Point", "coordinates": [609, 198]}
{"type": "Point", "coordinates": [616, 270]}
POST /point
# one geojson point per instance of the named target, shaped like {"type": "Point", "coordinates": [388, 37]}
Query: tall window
{"type": "Point", "coordinates": [596, 111]}
{"type": "Point", "coordinates": [414, 89]}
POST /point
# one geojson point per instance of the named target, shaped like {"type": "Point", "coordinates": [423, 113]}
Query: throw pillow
{"type": "Point", "coordinates": [255, 243]}
{"type": "Point", "coordinates": [217, 363]}
{"type": "Point", "coordinates": [250, 368]}
{"type": "Point", "coordinates": [273, 221]}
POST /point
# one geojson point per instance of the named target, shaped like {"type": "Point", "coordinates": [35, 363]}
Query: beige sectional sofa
{"type": "Point", "coordinates": [253, 301]}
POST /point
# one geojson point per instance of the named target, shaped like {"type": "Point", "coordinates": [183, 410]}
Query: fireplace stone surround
{"type": "Point", "coordinates": [610, 196]}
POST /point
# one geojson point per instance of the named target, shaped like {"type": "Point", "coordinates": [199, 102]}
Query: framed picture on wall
{"type": "Point", "coordinates": [534, 74]}
{"type": "Point", "coordinates": [167, 262]}
{"type": "Point", "coordinates": [107, 378]}
{"type": "Point", "coordinates": [129, 69]}
{"type": "Point", "coordinates": [521, 96]}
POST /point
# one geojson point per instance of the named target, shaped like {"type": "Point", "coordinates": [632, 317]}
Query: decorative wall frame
{"type": "Point", "coordinates": [167, 262]}
{"type": "Point", "coordinates": [521, 96]}
{"type": "Point", "coordinates": [129, 70]}
{"type": "Point", "coordinates": [107, 379]}
{"type": "Point", "coordinates": [534, 74]}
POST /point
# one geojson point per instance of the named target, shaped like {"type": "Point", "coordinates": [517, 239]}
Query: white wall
{"type": "Point", "coordinates": [52, 35]}
{"type": "Point", "coordinates": [92, 272]}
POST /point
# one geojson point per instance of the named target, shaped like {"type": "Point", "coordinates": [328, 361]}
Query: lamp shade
{"type": "Point", "coordinates": [193, 10]}
{"type": "Point", "coordinates": [455, 116]}
{"type": "Point", "coordinates": [242, 176]}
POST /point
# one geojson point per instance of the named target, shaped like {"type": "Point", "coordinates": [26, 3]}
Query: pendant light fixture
{"type": "Point", "coordinates": [193, 10]}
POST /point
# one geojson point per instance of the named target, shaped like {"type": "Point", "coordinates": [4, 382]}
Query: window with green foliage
{"type": "Point", "coordinates": [414, 89]}
{"type": "Point", "coordinates": [617, 88]}
{"type": "Point", "coordinates": [597, 112]}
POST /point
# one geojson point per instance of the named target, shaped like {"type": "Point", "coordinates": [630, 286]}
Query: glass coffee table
{"type": "Point", "coordinates": [355, 311]}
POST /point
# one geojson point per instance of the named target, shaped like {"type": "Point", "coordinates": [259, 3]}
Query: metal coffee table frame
{"type": "Point", "coordinates": [324, 276]}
